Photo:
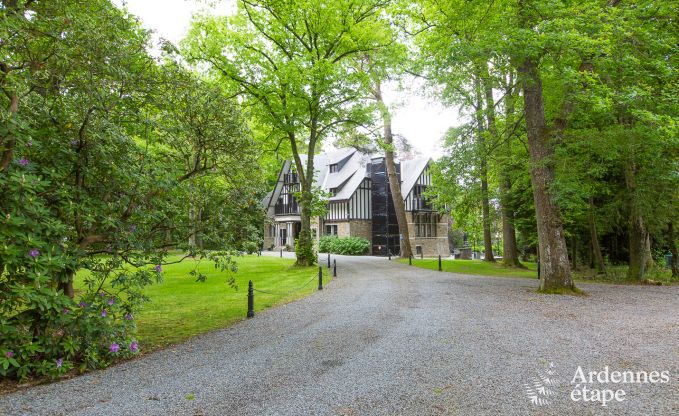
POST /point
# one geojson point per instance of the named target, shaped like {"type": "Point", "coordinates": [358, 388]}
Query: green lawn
{"type": "Point", "coordinates": [616, 274]}
{"type": "Point", "coordinates": [477, 267]}
{"type": "Point", "coordinates": [180, 307]}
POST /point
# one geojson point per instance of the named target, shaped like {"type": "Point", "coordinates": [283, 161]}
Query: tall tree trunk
{"type": "Point", "coordinates": [192, 221]}
{"type": "Point", "coordinates": [574, 249]}
{"type": "Point", "coordinates": [198, 227]}
{"type": "Point", "coordinates": [510, 255]}
{"type": "Point", "coordinates": [394, 183]}
{"type": "Point", "coordinates": [304, 246]}
{"type": "Point", "coordinates": [648, 256]}
{"type": "Point", "coordinates": [637, 247]}
{"type": "Point", "coordinates": [483, 171]}
{"type": "Point", "coordinates": [673, 250]}
{"type": "Point", "coordinates": [555, 270]}
{"type": "Point", "coordinates": [597, 257]}
{"type": "Point", "coordinates": [638, 235]}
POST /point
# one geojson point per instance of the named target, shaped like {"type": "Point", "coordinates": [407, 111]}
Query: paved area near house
{"type": "Point", "coordinates": [387, 339]}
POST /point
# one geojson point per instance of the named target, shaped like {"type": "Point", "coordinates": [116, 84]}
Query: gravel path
{"type": "Point", "coordinates": [387, 339]}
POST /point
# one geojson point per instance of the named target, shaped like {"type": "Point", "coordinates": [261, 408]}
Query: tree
{"type": "Point", "coordinates": [291, 64]}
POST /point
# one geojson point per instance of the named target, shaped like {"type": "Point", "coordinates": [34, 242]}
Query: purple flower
{"type": "Point", "coordinates": [10, 354]}
{"type": "Point", "coordinates": [111, 301]}
{"type": "Point", "coordinates": [83, 304]}
{"type": "Point", "coordinates": [66, 310]}
{"type": "Point", "coordinates": [114, 348]}
{"type": "Point", "coordinates": [34, 253]}
{"type": "Point", "coordinates": [23, 161]}
{"type": "Point", "coordinates": [104, 313]}
{"type": "Point", "coordinates": [74, 143]}
{"type": "Point", "coordinates": [133, 228]}
{"type": "Point", "coordinates": [102, 294]}
{"type": "Point", "coordinates": [134, 347]}
{"type": "Point", "coordinates": [159, 268]}
{"type": "Point", "coordinates": [60, 361]}
{"type": "Point", "coordinates": [29, 143]}
{"type": "Point", "coordinates": [128, 317]}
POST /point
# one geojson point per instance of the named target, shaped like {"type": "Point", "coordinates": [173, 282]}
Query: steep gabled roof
{"type": "Point", "coordinates": [352, 172]}
{"type": "Point", "coordinates": [410, 173]}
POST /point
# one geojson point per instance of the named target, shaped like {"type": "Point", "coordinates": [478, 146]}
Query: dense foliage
{"type": "Point", "coordinates": [110, 158]}
{"type": "Point", "coordinates": [352, 246]}
{"type": "Point", "coordinates": [570, 146]}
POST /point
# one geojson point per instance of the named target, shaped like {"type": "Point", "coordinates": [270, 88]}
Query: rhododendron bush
{"type": "Point", "coordinates": [108, 159]}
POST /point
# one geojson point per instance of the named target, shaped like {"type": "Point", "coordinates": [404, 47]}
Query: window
{"type": "Point", "coordinates": [334, 168]}
{"type": "Point", "coordinates": [333, 191]}
{"type": "Point", "coordinates": [425, 224]}
{"type": "Point", "coordinates": [331, 230]}
{"type": "Point", "coordinates": [419, 201]}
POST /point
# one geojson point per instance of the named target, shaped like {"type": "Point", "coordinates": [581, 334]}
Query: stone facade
{"type": "Point", "coordinates": [431, 246]}
{"type": "Point", "coordinates": [352, 228]}
{"type": "Point", "coordinates": [361, 228]}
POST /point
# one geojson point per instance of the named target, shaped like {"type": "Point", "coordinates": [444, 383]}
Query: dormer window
{"type": "Point", "coordinates": [334, 168]}
{"type": "Point", "coordinates": [333, 191]}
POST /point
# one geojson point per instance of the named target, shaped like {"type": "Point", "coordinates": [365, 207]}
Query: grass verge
{"type": "Point", "coordinates": [476, 267]}
{"type": "Point", "coordinates": [615, 275]}
{"type": "Point", "coordinates": [180, 307]}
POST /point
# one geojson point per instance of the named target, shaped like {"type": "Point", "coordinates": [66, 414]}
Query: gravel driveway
{"type": "Point", "coordinates": [388, 339]}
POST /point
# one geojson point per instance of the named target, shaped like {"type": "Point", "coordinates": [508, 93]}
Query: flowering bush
{"type": "Point", "coordinates": [103, 168]}
{"type": "Point", "coordinates": [43, 331]}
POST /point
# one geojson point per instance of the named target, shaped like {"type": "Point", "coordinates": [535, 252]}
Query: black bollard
{"type": "Point", "coordinates": [281, 253]}
{"type": "Point", "coordinates": [251, 301]}
{"type": "Point", "coordinates": [389, 255]}
{"type": "Point", "coordinates": [538, 269]}
{"type": "Point", "coordinates": [410, 260]}
{"type": "Point", "coordinates": [440, 269]}
{"type": "Point", "coordinates": [334, 268]}
{"type": "Point", "coordinates": [320, 278]}
{"type": "Point", "coordinates": [422, 255]}
{"type": "Point", "coordinates": [328, 260]}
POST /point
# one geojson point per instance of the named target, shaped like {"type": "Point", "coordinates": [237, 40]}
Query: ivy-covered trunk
{"type": "Point", "coordinates": [637, 246]}
{"type": "Point", "coordinates": [304, 246]}
{"type": "Point", "coordinates": [510, 256]}
{"type": "Point", "coordinates": [555, 271]}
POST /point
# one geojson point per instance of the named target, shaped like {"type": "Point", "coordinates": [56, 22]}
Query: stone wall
{"type": "Point", "coordinates": [353, 228]}
{"type": "Point", "coordinates": [431, 246]}
{"type": "Point", "coordinates": [361, 228]}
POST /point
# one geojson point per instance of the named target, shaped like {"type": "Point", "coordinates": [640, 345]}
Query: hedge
{"type": "Point", "coordinates": [345, 245]}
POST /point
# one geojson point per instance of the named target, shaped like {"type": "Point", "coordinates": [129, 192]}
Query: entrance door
{"type": "Point", "coordinates": [282, 236]}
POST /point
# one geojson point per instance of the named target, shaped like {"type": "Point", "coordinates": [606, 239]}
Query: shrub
{"type": "Point", "coordinates": [251, 247]}
{"type": "Point", "coordinates": [345, 245]}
